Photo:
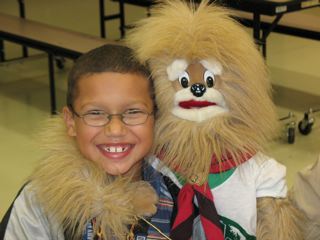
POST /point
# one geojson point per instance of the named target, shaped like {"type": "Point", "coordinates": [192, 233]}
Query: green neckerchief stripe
{"type": "Point", "coordinates": [215, 179]}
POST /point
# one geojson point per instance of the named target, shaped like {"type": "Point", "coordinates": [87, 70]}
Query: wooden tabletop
{"type": "Point", "coordinates": [40, 36]}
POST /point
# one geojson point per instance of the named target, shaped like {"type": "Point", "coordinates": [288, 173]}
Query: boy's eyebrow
{"type": "Point", "coordinates": [100, 106]}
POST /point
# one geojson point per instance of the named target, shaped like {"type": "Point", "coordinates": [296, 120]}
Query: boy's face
{"type": "Point", "coordinates": [116, 147]}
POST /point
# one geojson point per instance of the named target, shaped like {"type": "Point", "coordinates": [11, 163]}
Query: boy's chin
{"type": "Point", "coordinates": [132, 171]}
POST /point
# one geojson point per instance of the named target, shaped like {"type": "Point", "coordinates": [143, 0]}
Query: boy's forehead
{"type": "Point", "coordinates": [111, 74]}
{"type": "Point", "coordinates": [113, 81]}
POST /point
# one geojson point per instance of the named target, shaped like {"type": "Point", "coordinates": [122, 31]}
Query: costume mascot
{"type": "Point", "coordinates": [215, 116]}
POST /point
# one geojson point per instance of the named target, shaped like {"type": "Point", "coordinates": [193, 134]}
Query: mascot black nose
{"type": "Point", "coordinates": [198, 89]}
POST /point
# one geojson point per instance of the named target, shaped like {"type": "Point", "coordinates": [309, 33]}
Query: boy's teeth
{"type": "Point", "coordinates": [115, 149]}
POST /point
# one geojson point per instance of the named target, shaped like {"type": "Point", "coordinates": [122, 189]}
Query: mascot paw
{"type": "Point", "coordinates": [144, 199]}
{"type": "Point", "coordinates": [278, 219]}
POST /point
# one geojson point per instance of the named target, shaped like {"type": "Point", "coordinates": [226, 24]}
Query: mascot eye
{"type": "Point", "coordinates": [184, 79]}
{"type": "Point", "coordinates": [209, 79]}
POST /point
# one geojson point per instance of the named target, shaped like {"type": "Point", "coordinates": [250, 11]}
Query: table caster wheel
{"type": "Point", "coordinates": [305, 125]}
{"type": "Point", "coordinates": [291, 135]}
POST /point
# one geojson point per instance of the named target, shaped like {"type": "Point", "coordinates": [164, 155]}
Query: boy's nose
{"type": "Point", "coordinates": [115, 127]}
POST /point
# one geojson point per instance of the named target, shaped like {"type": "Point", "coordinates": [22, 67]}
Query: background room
{"type": "Point", "coordinates": [24, 87]}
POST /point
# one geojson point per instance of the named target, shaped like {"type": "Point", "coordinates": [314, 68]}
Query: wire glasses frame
{"type": "Point", "coordinates": [130, 117]}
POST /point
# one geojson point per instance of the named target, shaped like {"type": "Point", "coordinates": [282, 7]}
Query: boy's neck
{"type": "Point", "coordinates": [135, 171]}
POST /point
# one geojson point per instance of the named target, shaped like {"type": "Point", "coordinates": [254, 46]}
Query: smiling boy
{"type": "Point", "coordinates": [95, 182]}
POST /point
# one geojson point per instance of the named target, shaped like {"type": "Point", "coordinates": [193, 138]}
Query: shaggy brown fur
{"type": "Point", "coordinates": [193, 32]}
{"type": "Point", "coordinates": [279, 219]}
{"type": "Point", "coordinates": [202, 33]}
{"type": "Point", "coordinates": [74, 190]}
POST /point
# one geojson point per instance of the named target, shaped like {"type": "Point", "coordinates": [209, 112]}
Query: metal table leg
{"type": "Point", "coordinates": [51, 84]}
{"type": "Point", "coordinates": [22, 14]}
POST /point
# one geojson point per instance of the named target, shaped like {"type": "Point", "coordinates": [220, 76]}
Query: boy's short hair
{"type": "Point", "coordinates": [107, 58]}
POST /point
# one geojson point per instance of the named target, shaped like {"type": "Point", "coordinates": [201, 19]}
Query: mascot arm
{"type": "Point", "coordinates": [306, 191]}
{"type": "Point", "coordinates": [123, 204]}
{"type": "Point", "coordinates": [277, 218]}
{"type": "Point", "coordinates": [305, 194]}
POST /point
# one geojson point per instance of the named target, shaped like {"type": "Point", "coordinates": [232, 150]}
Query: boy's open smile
{"type": "Point", "coordinates": [115, 151]}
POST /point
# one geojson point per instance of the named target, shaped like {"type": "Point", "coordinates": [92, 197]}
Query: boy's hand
{"type": "Point", "coordinates": [144, 199]}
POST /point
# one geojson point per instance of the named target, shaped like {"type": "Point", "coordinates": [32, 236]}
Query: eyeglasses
{"type": "Point", "coordinates": [97, 118]}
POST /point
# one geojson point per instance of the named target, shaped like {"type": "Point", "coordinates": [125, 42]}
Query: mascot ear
{"type": "Point", "coordinates": [176, 68]}
{"type": "Point", "coordinates": [69, 121]}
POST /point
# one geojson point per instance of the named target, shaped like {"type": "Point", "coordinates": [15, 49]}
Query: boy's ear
{"type": "Point", "coordinates": [69, 121]}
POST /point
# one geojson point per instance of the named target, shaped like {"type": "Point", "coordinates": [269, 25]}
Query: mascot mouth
{"type": "Point", "coordinates": [195, 104]}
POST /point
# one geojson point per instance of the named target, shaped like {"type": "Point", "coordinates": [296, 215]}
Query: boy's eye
{"type": "Point", "coordinates": [95, 114]}
{"type": "Point", "coordinates": [133, 113]}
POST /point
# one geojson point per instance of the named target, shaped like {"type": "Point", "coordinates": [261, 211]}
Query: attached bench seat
{"type": "Point", "coordinates": [52, 40]}
{"type": "Point", "coordinates": [47, 38]}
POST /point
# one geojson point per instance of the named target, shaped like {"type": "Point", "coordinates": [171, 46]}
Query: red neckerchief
{"type": "Point", "coordinates": [182, 227]}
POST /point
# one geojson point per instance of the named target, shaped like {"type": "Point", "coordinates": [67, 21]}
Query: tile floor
{"type": "Point", "coordinates": [24, 93]}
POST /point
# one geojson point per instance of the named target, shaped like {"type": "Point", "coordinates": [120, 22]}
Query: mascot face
{"type": "Point", "coordinates": [196, 97]}
{"type": "Point", "coordinates": [211, 86]}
